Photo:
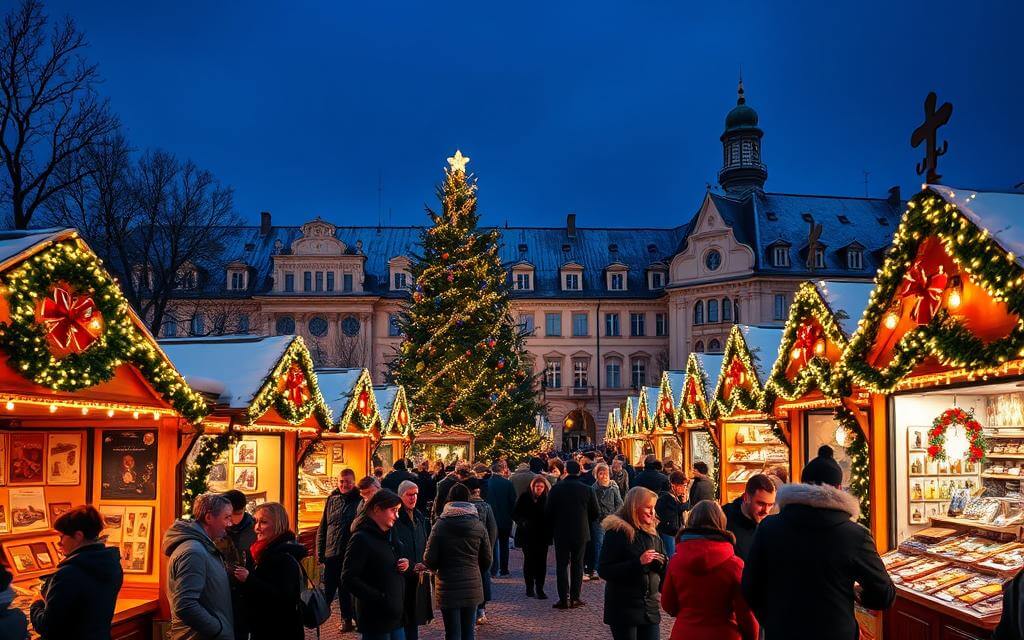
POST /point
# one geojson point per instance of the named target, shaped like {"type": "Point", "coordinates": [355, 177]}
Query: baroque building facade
{"type": "Point", "coordinates": [607, 309]}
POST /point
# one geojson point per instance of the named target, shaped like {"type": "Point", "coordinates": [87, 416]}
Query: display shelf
{"type": "Point", "coordinates": [943, 475]}
{"type": "Point", "coordinates": [1005, 436]}
{"type": "Point", "coordinates": [1005, 456]}
{"type": "Point", "coordinates": [1012, 529]}
{"type": "Point", "coordinates": [1001, 476]}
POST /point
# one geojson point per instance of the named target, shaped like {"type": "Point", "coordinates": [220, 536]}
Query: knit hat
{"type": "Point", "coordinates": [823, 470]}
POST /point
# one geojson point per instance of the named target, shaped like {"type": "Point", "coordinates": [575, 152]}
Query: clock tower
{"type": "Point", "coordinates": [742, 169]}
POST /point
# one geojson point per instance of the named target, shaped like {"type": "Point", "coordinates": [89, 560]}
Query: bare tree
{"type": "Point", "coordinates": [50, 111]}
{"type": "Point", "coordinates": [342, 351]}
{"type": "Point", "coordinates": [208, 317]}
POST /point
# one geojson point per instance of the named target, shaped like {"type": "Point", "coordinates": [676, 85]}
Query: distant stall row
{"type": "Point", "coordinates": [917, 384]}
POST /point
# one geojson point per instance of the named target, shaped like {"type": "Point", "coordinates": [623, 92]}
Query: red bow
{"type": "Point", "coordinates": [736, 372]}
{"type": "Point", "coordinates": [364, 402]}
{"type": "Point", "coordinates": [296, 387]}
{"type": "Point", "coordinates": [806, 337]}
{"type": "Point", "coordinates": [926, 288]}
{"type": "Point", "coordinates": [691, 391]}
{"type": "Point", "coordinates": [71, 321]}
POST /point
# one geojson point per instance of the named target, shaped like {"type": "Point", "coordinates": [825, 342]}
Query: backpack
{"type": "Point", "coordinates": [313, 606]}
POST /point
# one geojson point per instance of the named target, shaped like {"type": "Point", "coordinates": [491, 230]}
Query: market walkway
{"type": "Point", "coordinates": [513, 616]}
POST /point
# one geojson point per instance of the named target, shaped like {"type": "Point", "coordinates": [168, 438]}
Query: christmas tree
{"type": "Point", "coordinates": [462, 360]}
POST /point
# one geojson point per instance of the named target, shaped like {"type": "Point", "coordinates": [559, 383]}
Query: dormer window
{"type": "Point", "coordinates": [400, 280]}
{"type": "Point", "coordinates": [855, 258]}
{"type": "Point", "coordinates": [187, 278]}
{"type": "Point", "coordinates": [655, 279]}
{"type": "Point", "coordinates": [238, 277]}
{"type": "Point", "coordinates": [780, 256]}
{"type": "Point", "coordinates": [399, 268]}
{"type": "Point", "coordinates": [523, 281]}
{"type": "Point", "coordinates": [572, 282]}
{"type": "Point", "coordinates": [616, 282]}
{"type": "Point", "coordinates": [522, 276]}
{"type": "Point", "coordinates": [819, 258]}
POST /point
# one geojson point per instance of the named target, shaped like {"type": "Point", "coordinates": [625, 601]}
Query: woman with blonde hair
{"type": "Point", "coordinates": [609, 500]}
{"type": "Point", "coordinates": [272, 578]}
{"type": "Point", "coordinates": [633, 563]}
{"type": "Point", "coordinates": [702, 586]}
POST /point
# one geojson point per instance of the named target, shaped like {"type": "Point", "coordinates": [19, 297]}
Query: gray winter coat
{"type": "Point", "coordinates": [521, 480]}
{"type": "Point", "coordinates": [486, 517]}
{"type": "Point", "coordinates": [197, 585]}
{"type": "Point", "coordinates": [608, 499]}
{"type": "Point", "coordinates": [458, 551]}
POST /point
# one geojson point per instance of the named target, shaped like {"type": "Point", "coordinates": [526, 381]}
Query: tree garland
{"type": "Point", "coordinates": [739, 398]}
{"type": "Point", "coordinates": [25, 342]}
{"type": "Point", "coordinates": [197, 473]}
{"type": "Point", "coordinates": [860, 466]}
{"type": "Point", "coordinates": [979, 257]}
{"type": "Point", "coordinates": [269, 395]}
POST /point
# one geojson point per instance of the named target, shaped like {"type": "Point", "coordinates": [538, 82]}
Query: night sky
{"type": "Point", "coordinates": [609, 109]}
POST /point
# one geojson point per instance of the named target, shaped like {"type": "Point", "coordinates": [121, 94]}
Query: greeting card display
{"type": "Point", "coordinates": [315, 464]}
{"type": "Point", "coordinates": [28, 509]}
{"type": "Point", "coordinates": [5, 517]}
{"type": "Point", "coordinates": [135, 539]}
{"type": "Point", "coordinates": [57, 509]}
{"type": "Point", "coordinates": [64, 458]}
{"type": "Point", "coordinates": [246, 451]}
{"type": "Point", "coordinates": [245, 479]}
{"type": "Point", "coordinates": [128, 465]}
{"type": "Point", "coordinates": [113, 523]}
{"type": "Point", "coordinates": [27, 458]}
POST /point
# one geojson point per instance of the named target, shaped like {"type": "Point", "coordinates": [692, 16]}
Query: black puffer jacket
{"type": "Point", "coordinates": [336, 524]}
{"type": "Point", "coordinates": [571, 507]}
{"type": "Point", "coordinates": [13, 624]}
{"type": "Point", "coordinates": [271, 592]}
{"type": "Point", "coordinates": [671, 513]}
{"type": "Point", "coordinates": [532, 525]}
{"type": "Point", "coordinates": [458, 550]}
{"type": "Point", "coordinates": [802, 565]}
{"type": "Point", "coordinates": [371, 573]}
{"type": "Point", "coordinates": [79, 599]}
{"type": "Point", "coordinates": [411, 535]}
{"type": "Point", "coordinates": [631, 590]}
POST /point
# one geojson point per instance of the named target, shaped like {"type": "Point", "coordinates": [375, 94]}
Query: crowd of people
{"type": "Point", "coordinates": [782, 561]}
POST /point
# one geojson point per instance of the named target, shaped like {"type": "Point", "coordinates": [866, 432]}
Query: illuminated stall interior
{"type": "Point", "coordinates": [442, 442]}
{"type": "Point", "coordinates": [89, 412]}
{"type": "Point", "coordinates": [696, 426]}
{"type": "Point", "coordinates": [662, 410]}
{"type": "Point", "coordinates": [750, 443]}
{"type": "Point", "coordinates": [266, 409]}
{"type": "Point", "coordinates": [395, 425]}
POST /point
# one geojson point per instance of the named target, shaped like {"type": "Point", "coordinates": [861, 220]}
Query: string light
{"type": "Point", "coordinates": [9, 406]}
{"type": "Point", "coordinates": [53, 408]}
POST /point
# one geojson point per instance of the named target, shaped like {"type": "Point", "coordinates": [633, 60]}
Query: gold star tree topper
{"type": "Point", "coordinates": [458, 162]}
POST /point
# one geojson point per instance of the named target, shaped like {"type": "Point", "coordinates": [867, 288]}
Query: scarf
{"type": "Point", "coordinates": [259, 547]}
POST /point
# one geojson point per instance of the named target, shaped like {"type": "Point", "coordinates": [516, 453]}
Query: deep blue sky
{"type": "Point", "coordinates": [609, 109]}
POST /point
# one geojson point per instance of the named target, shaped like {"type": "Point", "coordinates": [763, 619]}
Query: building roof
{"type": "Point", "coordinates": [386, 396]}
{"type": "Point", "coordinates": [1002, 214]}
{"type": "Point", "coordinates": [17, 241]}
{"type": "Point", "coordinates": [676, 383]}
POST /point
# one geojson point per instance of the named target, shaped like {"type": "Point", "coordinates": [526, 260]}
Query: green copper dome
{"type": "Point", "coordinates": [741, 116]}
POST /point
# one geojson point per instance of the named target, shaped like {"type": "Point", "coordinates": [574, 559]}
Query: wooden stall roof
{"type": "Point", "coordinates": [394, 409]}
{"type": "Point", "coordinates": [749, 351]}
{"type": "Point", "coordinates": [948, 301]}
{"type": "Point", "coordinates": [254, 379]}
{"type": "Point", "coordinates": [142, 380]}
{"type": "Point", "coordinates": [343, 388]}
{"type": "Point", "coordinates": [432, 432]}
{"type": "Point", "coordinates": [698, 390]}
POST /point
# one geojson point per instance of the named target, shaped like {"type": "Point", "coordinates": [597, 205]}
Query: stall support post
{"type": "Point", "coordinates": [878, 439]}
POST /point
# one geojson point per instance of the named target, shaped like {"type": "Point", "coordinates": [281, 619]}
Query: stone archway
{"type": "Point", "coordinates": [578, 429]}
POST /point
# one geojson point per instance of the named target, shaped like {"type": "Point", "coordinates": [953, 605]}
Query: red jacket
{"type": "Point", "coordinates": [702, 590]}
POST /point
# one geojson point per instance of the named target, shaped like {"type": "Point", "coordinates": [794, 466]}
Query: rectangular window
{"type": "Point", "coordinates": [819, 258]}
{"type": "Point", "coordinates": [780, 257]}
{"type": "Point", "coordinates": [198, 327]}
{"type": "Point", "coordinates": [613, 374]}
{"type": "Point", "coordinates": [611, 325]}
{"type": "Point", "coordinates": [639, 373]}
{"type": "Point", "coordinates": [660, 324]}
{"type": "Point", "coordinates": [307, 280]}
{"type": "Point", "coordinates": [243, 323]}
{"type": "Point", "coordinates": [523, 282]}
{"type": "Point", "coordinates": [553, 324]}
{"type": "Point", "coordinates": [236, 280]}
{"type": "Point", "coordinates": [579, 374]}
{"type": "Point", "coordinates": [289, 282]}
{"type": "Point", "coordinates": [393, 329]}
{"type": "Point", "coordinates": [399, 280]}
{"type": "Point", "coordinates": [526, 323]}
{"type": "Point", "coordinates": [553, 375]}
{"type": "Point", "coordinates": [618, 281]}
{"type": "Point", "coordinates": [346, 283]}
{"type": "Point", "coordinates": [579, 325]}
{"type": "Point", "coordinates": [319, 280]}
{"type": "Point", "coordinates": [170, 329]}
{"type": "Point", "coordinates": [855, 259]}
{"type": "Point", "coordinates": [636, 324]}
{"type": "Point", "coordinates": [330, 281]}
{"type": "Point", "coordinates": [572, 282]}
{"type": "Point", "coordinates": [657, 280]}
{"type": "Point", "coordinates": [780, 306]}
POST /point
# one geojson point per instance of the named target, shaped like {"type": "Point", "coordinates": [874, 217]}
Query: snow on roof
{"type": "Point", "coordinates": [847, 301]}
{"type": "Point", "coordinates": [763, 344]}
{"type": "Point", "coordinates": [653, 399]}
{"type": "Point", "coordinates": [676, 381]}
{"type": "Point", "coordinates": [14, 242]}
{"type": "Point", "coordinates": [711, 363]}
{"type": "Point", "coordinates": [634, 405]}
{"type": "Point", "coordinates": [232, 367]}
{"type": "Point", "coordinates": [386, 395]}
{"type": "Point", "coordinates": [337, 386]}
{"type": "Point", "coordinates": [1002, 214]}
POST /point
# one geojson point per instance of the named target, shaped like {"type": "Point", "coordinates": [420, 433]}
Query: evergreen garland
{"type": "Point", "coordinates": [270, 394]}
{"type": "Point", "coordinates": [860, 464]}
{"type": "Point", "coordinates": [197, 473]}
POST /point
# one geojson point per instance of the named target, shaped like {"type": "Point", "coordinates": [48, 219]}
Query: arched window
{"type": "Point", "coordinates": [285, 325]}
{"type": "Point", "coordinates": [726, 310]}
{"type": "Point", "coordinates": [714, 346]}
{"type": "Point", "coordinates": [699, 347]}
{"type": "Point", "coordinates": [712, 311]}
{"type": "Point", "coordinates": [698, 312]}
{"type": "Point", "coordinates": [736, 310]}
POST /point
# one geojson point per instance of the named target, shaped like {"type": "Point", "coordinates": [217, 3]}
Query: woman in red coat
{"type": "Point", "coordinates": [702, 585]}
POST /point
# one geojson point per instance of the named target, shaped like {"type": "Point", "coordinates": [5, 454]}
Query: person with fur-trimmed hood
{"type": "Point", "coordinates": [802, 565]}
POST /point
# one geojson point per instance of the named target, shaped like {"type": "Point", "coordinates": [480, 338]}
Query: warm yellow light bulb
{"type": "Point", "coordinates": [954, 299]}
{"type": "Point", "coordinates": [135, 415]}
{"type": "Point", "coordinates": [819, 348]}
{"type": "Point", "coordinates": [110, 413]}
{"type": "Point", "coordinates": [795, 354]}
{"type": "Point", "coordinates": [53, 408]}
{"type": "Point", "coordinates": [9, 405]}
{"type": "Point", "coordinates": [891, 320]}
{"type": "Point", "coordinates": [85, 411]}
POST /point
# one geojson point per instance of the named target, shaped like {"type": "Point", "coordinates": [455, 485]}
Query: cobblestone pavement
{"type": "Point", "coordinates": [511, 615]}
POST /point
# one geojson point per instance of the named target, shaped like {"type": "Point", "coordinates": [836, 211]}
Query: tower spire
{"type": "Point", "coordinates": [740, 99]}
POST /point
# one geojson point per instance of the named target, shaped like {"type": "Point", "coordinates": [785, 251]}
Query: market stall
{"type": "Point", "coordinates": [811, 399]}
{"type": "Point", "coordinates": [266, 410]}
{"type": "Point", "coordinates": [939, 348]}
{"type": "Point", "coordinates": [750, 440]}
{"type": "Point", "coordinates": [442, 442]}
{"type": "Point", "coordinates": [346, 445]}
{"type": "Point", "coordinates": [613, 428]}
{"type": "Point", "coordinates": [668, 445]}
{"type": "Point", "coordinates": [394, 435]}
{"type": "Point", "coordinates": [641, 422]}
{"type": "Point", "coordinates": [91, 411]}
{"type": "Point", "coordinates": [694, 404]}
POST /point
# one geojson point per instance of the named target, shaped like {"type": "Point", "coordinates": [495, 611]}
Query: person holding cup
{"type": "Point", "coordinates": [632, 563]}
{"type": "Point", "coordinates": [411, 531]}
{"type": "Point", "coordinates": [374, 569]}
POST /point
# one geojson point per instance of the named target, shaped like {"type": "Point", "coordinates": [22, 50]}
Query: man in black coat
{"type": "Point", "coordinates": [397, 476]}
{"type": "Point", "coordinates": [743, 514]}
{"type": "Point", "coordinates": [803, 563]}
{"type": "Point", "coordinates": [702, 488]}
{"type": "Point", "coordinates": [501, 495]}
{"type": "Point", "coordinates": [571, 507]}
{"type": "Point", "coordinates": [332, 539]}
{"type": "Point", "coordinates": [1011, 624]}
{"type": "Point", "coordinates": [427, 484]}
{"type": "Point", "coordinates": [462, 472]}
{"type": "Point", "coordinates": [651, 477]}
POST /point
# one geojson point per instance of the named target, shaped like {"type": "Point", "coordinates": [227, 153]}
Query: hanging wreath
{"type": "Point", "coordinates": [977, 445]}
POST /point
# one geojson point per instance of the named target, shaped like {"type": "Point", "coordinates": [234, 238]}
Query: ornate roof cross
{"type": "Point", "coordinates": [927, 133]}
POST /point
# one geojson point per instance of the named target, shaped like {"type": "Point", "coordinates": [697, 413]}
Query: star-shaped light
{"type": "Point", "coordinates": [458, 162]}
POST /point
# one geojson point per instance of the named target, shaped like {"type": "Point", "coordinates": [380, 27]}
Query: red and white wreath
{"type": "Point", "coordinates": [956, 417]}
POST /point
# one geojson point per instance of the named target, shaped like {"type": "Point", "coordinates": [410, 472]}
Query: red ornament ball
{"type": "Point", "coordinates": [445, 255]}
